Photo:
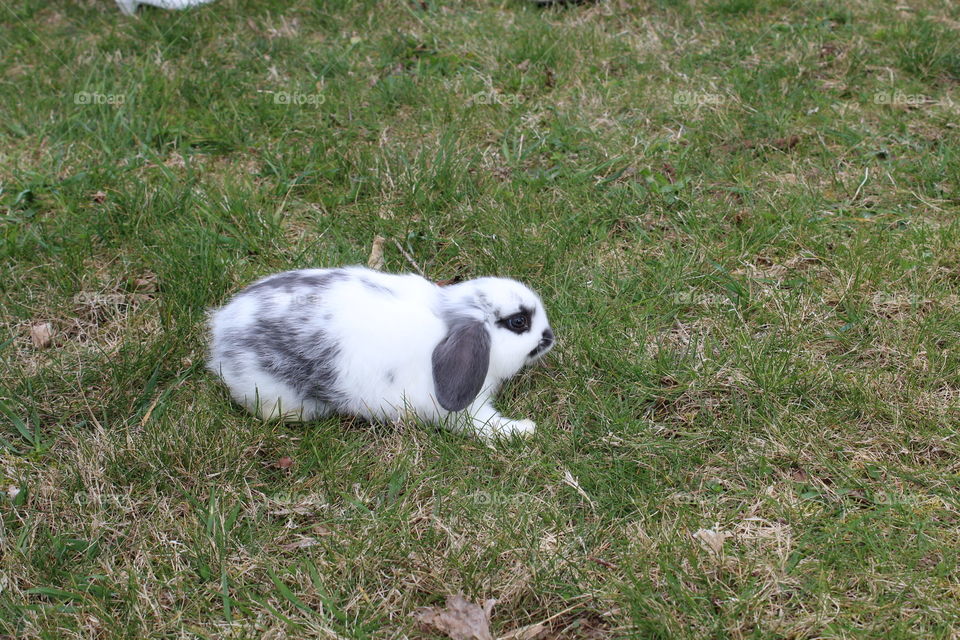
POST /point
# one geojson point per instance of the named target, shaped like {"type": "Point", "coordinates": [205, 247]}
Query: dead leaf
{"type": "Point", "coordinates": [460, 620]}
{"type": "Point", "coordinates": [99, 197]}
{"type": "Point", "coordinates": [41, 335]}
{"type": "Point", "coordinates": [285, 462]}
{"type": "Point", "coordinates": [523, 66]}
{"type": "Point", "coordinates": [785, 144]}
{"type": "Point", "coordinates": [712, 539]}
{"type": "Point", "coordinates": [146, 283]}
{"type": "Point", "coordinates": [375, 261]}
{"type": "Point", "coordinates": [602, 562]}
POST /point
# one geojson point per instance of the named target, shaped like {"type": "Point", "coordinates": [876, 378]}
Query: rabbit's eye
{"type": "Point", "coordinates": [518, 323]}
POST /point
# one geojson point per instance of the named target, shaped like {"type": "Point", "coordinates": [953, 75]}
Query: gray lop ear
{"type": "Point", "coordinates": [460, 364]}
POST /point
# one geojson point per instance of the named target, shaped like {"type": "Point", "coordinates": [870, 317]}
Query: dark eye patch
{"type": "Point", "coordinates": [518, 322]}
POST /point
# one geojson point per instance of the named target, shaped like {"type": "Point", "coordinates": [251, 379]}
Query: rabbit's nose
{"type": "Point", "coordinates": [546, 341]}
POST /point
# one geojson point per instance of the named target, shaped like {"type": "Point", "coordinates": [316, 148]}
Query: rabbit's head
{"type": "Point", "coordinates": [496, 326]}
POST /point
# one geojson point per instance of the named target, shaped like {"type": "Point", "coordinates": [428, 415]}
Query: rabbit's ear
{"type": "Point", "coordinates": [460, 364]}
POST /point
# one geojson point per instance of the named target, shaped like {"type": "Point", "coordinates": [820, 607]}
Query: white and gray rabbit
{"type": "Point", "coordinates": [129, 7]}
{"type": "Point", "coordinates": [304, 344]}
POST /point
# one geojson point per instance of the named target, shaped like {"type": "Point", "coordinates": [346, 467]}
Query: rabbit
{"type": "Point", "coordinates": [129, 7]}
{"type": "Point", "coordinates": [309, 343]}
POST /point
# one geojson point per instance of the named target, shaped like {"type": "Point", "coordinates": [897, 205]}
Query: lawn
{"type": "Point", "coordinates": [742, 217]}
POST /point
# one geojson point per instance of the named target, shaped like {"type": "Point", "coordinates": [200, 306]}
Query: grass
{"type": "Point", "coordinates": [742, 217]}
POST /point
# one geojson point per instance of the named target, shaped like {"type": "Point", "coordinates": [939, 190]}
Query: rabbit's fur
{"type": "Point", "coordinates": [304, 344]}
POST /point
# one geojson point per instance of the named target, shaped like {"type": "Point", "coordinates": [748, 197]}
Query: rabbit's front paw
{"type": "Point", "coordinates": [507, 428]}
{"type": "Point", "coordinates": [523, 427]}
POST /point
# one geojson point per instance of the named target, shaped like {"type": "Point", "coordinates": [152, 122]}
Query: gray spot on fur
{"type": "Point", "coordinates": [391, 376]}
{"type": "Point", "coordinates": [373, 286]}
{"type": "Point", "coordinates": [304, 361]}
{"type": "Point", "coordinates": [290, 280]}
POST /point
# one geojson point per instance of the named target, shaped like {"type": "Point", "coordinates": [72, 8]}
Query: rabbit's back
{"type": "Point", "coordinates": [316, 341]}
